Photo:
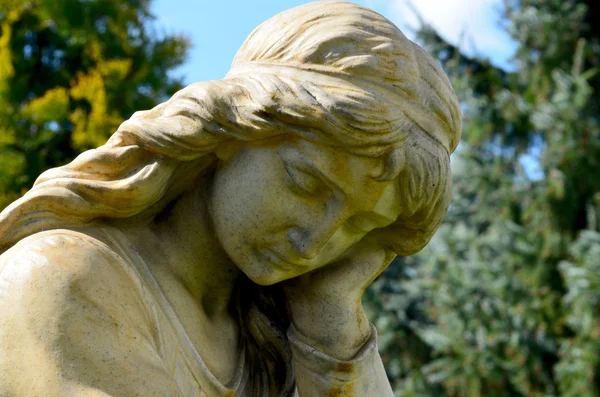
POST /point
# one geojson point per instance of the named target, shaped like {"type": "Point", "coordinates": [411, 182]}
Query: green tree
{"type": "Point", "coordinates": [506, 300]}
{"type": "Point", "coordinates": [70, 72]}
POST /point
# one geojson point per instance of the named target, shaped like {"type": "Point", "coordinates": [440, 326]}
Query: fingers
{"type": "Point", "coordinates": [364, 262]}
{"type": "Point", "coordinates": [353, 273]}
{"type": "Point", "coordinates": [349, 276]}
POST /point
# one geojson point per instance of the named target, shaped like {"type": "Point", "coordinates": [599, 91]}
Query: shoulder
{"type": "Point", "coordinates": [55, 260]}
{"type": "Point", "coordinates": [54, 247]}
{"type": "Point", "coordinates": [71, 310]}
{"type": "Point", "coordinates": [54, 244]}
{"type": "Point", "coordinates": [52, 275]}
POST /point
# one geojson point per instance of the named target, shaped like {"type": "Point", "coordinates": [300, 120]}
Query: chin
{"type": "Point", "coordinates": [266, 275]}
{"type": "Point", "coordinates": [266, 279]}
{"type": "Point", "coordinates": [265, 282]}
{"type": "Point", "coordinates": [263, 272]}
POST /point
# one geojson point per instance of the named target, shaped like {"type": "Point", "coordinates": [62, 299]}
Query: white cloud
{"type": "Point", "coordinates": [472, 24]}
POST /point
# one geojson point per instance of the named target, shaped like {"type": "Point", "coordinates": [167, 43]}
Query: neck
{"type": "Point", "coordinates": [195, 274]}
{"type": "Point", "coordinates": [185, 242]}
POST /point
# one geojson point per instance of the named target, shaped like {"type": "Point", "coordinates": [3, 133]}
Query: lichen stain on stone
{"type": "Point", "coordinates": [344, 390]}
{"type": "Point", "coordinates": [336, 391]}
{"type": "Point", "coordinates": [345, 368]}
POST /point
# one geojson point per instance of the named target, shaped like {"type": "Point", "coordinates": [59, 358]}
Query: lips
{"type": "Point", "coordinates": [276, 260]}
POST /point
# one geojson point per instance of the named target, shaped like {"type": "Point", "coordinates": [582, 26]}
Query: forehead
{"type": "Point", "coordinates": [356, 177]}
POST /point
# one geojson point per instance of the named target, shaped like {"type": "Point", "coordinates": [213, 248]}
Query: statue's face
{"type": "Point", "coordinates": [284, 209]}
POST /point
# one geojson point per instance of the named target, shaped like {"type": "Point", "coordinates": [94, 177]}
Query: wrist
{"type": "Point", "coordinates": [340, 334]}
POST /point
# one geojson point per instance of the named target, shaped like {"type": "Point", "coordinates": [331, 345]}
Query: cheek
{"type": "Point", "coordinates": [246, 204]}
{"type": "Point", "coordinates": [249, 197]}
{"type": "Point", "coordinates": [234, 204]}
{"type": "Point", "coordinates": [243, 204]}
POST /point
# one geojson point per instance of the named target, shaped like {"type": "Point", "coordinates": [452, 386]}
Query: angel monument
{"type": "Point", "coordinates": [219, 244]}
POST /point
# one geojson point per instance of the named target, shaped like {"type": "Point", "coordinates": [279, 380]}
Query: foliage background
{"type": "Point", "coordinates": [70, 72]}
{"type": "Point", "coordinates": [505, 299]}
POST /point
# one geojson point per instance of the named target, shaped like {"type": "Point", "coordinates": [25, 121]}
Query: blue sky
{"type": "Point", "coordinates": [218, 28]}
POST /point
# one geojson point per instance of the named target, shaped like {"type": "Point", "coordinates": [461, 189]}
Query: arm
{"type": "Point", "coordinates": [334, 346]}
{"type": "Point", "coordinates": [319, 374]}
{"type": "Point", "coordinates": [71, 325]}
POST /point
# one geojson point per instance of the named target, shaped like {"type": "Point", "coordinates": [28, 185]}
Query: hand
{"type": "Point", "coordinates": [326, 303]}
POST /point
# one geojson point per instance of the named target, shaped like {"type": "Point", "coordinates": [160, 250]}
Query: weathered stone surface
{"type": "Point", "coordinates": [219, 244]}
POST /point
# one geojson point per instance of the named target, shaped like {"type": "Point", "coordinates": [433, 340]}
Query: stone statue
{"type": "Point", "coordinates": [219, 244]}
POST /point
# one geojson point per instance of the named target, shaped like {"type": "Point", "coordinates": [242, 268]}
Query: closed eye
{"type": "Point", "coordinates": [301, 181]}
{"type": "Point", "coordinates": [360, 224]}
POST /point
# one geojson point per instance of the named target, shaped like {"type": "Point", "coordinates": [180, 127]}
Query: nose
{"type": "Point", "coordinates": [309, 242]}
{"type": "Point", "coordinates": [306, 243]}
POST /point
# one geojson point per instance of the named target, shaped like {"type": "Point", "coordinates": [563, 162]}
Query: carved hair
{"type": "Point", "coordinates": [330, 72]}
